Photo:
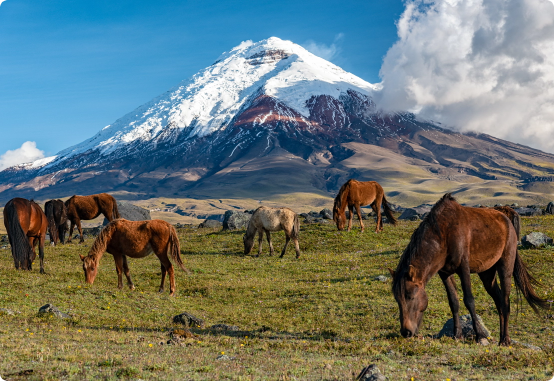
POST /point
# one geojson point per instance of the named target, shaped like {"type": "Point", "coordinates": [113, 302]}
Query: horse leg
{"type": "Point", "coordinates": [127, 273]}
{"type": "Point", "coordinates": [169, 268]}
{"type": "Point", "coordinates": [287, 240]}
{"type": "Point", "coordinates": [376, 206]}
{"type": "Point", "coordinates": [118, 259]}
{"type": "Point", "coordinates": [450, 286]}
{"type": "Point", "coordinates": [260, 240]}
{"type": "Point", "coordinates": [32, 254]}
{"type": "Point", "coordinates": [72, 225]}
{"type": "Point", "coordinates": [80, 231]}
{"type": "Point", "coordinates": [350, 216]}
{"type": "Point", "coordinates": [268, 236]}
{"type": "Point", "coordinates": [164, 271]}
{"type": "Point", "coordinates": [488, 278]}
{"type": "Point", "coordinates": [42, 240]}
{"type": "Point", "coordinates": [469, 301]}
{"type": "Point", "coordinates": [359, 212]}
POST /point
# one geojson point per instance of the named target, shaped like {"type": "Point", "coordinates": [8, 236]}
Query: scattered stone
{"type": "Point", "coordinates": [415, 214]}
{"type": "Point", "coordinates": [234, 220]}
{"type": "Point", "coordinates": [213, 224]}
{"type": "Point", "coordinates": [5, 311]}
{"type": "Point", "coordinates": [530, 346]}
{"type": "Point", "coordinates": [190, 321]}
{"type": "Point", "coordinates": [177, 336]}
{"type": "Point", "coordinates": [371, 373]}
{"type": "Point", "coordinates": [381, 278]}
{"type": "Point", "coordinates": [131, 212]}
{"type": "Point", "coordinates": [49, 309]}
{"type": "Point", "coordinates": [92, 232]}
{"type": "Point", "coordinates": [224, 327]}
{"type": "Point", "coordinates": [466, 323]}
{"type": "Point", "coordinates": [326, 214]}
{"type": "Point", "coordinates": [535, 240]}
{"type": "Point", "coordinates": [224, 358]}
{"type": "Point", "coordinates": [529, 211]}
{"type": "Point", "coordinates": [4, 239]}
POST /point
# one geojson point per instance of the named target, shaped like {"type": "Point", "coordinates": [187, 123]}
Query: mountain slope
{"type": "Point", "coordinates": [269, 119]}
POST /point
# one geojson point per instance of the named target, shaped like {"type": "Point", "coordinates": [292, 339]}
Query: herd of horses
{"type": "Point", "coordinates": [451, 239]}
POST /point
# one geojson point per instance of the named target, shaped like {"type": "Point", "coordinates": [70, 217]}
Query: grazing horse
{"type": "Point", "coordinates": [89, 207]}
{"type": "Point", "coordinates": [134, 239]}
{"type": "Point", "coordinates": [268, 220]}
{"type": "Point", "coordinates": [26, 225]}
{"type": "Point", "coordinates": [359, 193]}
{"type": "Point", "coordinates": [453, 239]}
{"type": "Point", "coordinates": [56, 213]}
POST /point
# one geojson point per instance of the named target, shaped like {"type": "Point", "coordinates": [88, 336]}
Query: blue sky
{"type": "Point", "coordinates": [68, 68]}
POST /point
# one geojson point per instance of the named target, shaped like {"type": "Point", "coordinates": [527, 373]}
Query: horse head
{"type": "Point", "coordinates": [339, 218]}
{"type": "Point", "coordinates": [409, 292]}
{"type": "Point", "coordinates": [90, 267]}
{"type": "Point", "coordinates": [248, 243]}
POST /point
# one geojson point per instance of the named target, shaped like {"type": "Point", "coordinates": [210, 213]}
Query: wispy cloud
{"type": "Point", "coordinates": [328, 52]}
{"type": "Point", "coordinates": [27, 153]}
{"type": "Point", "coordinates": [1, 1]}
{"type": "Point", "coordinates": [481, 65]}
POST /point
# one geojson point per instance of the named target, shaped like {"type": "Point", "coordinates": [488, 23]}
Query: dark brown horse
{"type": "Point", "coordinates": [56, 213]}
{"type": "Point", "coordinates": [26, 225]}
{"type": "Point", "coordinates": [454, 239]}
{"type": "Point", "coordinates": [135, 239]}
{"type": "Point", "coordinates": [359, 193]}
{"type": "Point", "coordinates": [89, 207]}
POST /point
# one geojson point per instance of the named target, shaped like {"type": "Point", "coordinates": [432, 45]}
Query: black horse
{"type": "Point", "coordinates": [56, 212]}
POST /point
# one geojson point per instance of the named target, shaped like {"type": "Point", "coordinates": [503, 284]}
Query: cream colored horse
{"type": "Point", "coordinates": [268, 220]}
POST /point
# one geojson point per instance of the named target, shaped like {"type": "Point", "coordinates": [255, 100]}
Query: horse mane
{"type": "Point", "coordinates": [429, 222]}
{"type": "Point", "coordinates": [101, 242]}
{"type": "Point", "coordinates": [340, 199]}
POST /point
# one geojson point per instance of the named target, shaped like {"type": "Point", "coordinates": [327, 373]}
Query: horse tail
{"type": "Point", "coordinates": [52, 226]}
{"type": "Point", "coordinates": [174, 248]}
{"type": "Point", "coordinates": [21, 248]}
{"type": "Point", "coordinates": [516, 221]}
{"type": "Point", "coordinates": [388, 211]}
{"type": "Point", "coordinates": [296, 227]}
{"type": "Point", "coordinates": [524, 282]}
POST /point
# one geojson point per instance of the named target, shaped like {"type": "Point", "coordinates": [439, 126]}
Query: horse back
{"type": "Point", "coordinates": [137, 239]}
{"type": "Point", "coordinates": [364, 192]}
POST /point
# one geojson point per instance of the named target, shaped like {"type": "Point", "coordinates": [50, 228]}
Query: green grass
{"type": "Point", "coordinates": [322, 317]}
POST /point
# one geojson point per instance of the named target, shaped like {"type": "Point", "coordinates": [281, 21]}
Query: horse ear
{"type": "Point", "coordinates": [412, 273]}
{"type": "Point", "coordinates": [392, 273]}
{"type": "Point", "coordinates": [82, 257]}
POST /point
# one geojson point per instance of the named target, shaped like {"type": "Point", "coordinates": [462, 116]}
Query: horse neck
{"type": "Point", "coordinates": [101, 243]}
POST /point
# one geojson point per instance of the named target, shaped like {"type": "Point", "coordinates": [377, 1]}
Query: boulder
{"type": "Point", "coordinates": [527, 212]}
{"type": "Point", "coordinates": [466, 323]}
{"type": "Point", "coordinates": [371, 373]}
{"type": "Point", "coordinates": [234, 220]}
{"type": "Point", "coordinates": [326, 213]}
{"type": "Point", "coordinates": [535, 240]}
{"type": "Point", "coordinates": [189, 320]}
{"type": "Point", "coordinates": [414, 214]}
{"type": "Point", "coordinates": [131, 212]}
{"type": "Point", "coordinates": [49, 309]}
{"type": "Point", "coordinates": [212, 224]}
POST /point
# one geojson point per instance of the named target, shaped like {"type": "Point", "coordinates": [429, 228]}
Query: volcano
{"type": "Point", "coordinates": [268, 119]}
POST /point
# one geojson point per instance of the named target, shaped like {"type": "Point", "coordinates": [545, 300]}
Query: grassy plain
{"type": "Point", "coordinates": [322, 317]}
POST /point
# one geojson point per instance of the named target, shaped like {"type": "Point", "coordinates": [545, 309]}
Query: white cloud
{"type": "Point", "coordinates": [27, 153]}
{"type": "Point", "coordinates": [1, 1]}
{"type": "Point", "coordinates": [327, 52]}
{"type": "Point", "coordinates": [481, 65]}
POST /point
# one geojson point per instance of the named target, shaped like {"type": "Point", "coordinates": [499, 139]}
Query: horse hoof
{"type": "Point", "coordinates": [483, 341]}
{"type": "Point", "coordinates": [42, 271]}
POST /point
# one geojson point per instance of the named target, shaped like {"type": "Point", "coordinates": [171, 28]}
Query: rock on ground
{"type": "Point", "coordinates": [466, 323]}
{"type": "Point", "coordinates": [535, 240]}
{"type": "Point", "coordinates": [131, 212]}
{"type": "Point", "coordinates": [414, 214]}
{"type": "Point", "coordinates": [234, 220]}
{"type": "Point", "coordinates": [371, 373]}
{"type": "Point", "coordinates": [49, 309]}
{"type": "Point", "coordinates": [213, 224]}
{"type": "Point", "coordinates": [189, 320]}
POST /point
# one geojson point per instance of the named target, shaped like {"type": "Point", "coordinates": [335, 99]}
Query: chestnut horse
{"type": "Point", "coordinates": [134, 239]}
{"type": "Point", "coordinates": [26, 225]}
{"type": "Point", "coordinates": [89, 207]}
{"type": "Point", "coordinates": [453, 239]}
{"type": "Point", "coordinates": [266, 219]}
{"type": "Point", "coordinates": [56, 213]}
{"type": "Point", "coordinates": [359, 193]}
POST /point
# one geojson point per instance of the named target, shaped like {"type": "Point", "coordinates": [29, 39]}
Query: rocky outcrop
{"type": "Point", "coordinates": [535, 240]}
{"type": "Point", "coordinates": [234, 220]}
{"type": "Point", "coordinates": [131, 212]}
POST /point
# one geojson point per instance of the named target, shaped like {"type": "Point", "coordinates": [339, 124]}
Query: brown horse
{"type": "Point", "coordinates": [359, 193]}
{"type": "Point", "coordinates": [268, 220]}
{"type": "Point", "coordinates": [454, 239]}
{"type": "Point", "coordinates": [26, 225]}
{"type": "Point", "coordinates": [56, 213]}
{"type": "Point", "coordinates": [135, 239]}
{"type": "Point", "coordinates": [89, 207]}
